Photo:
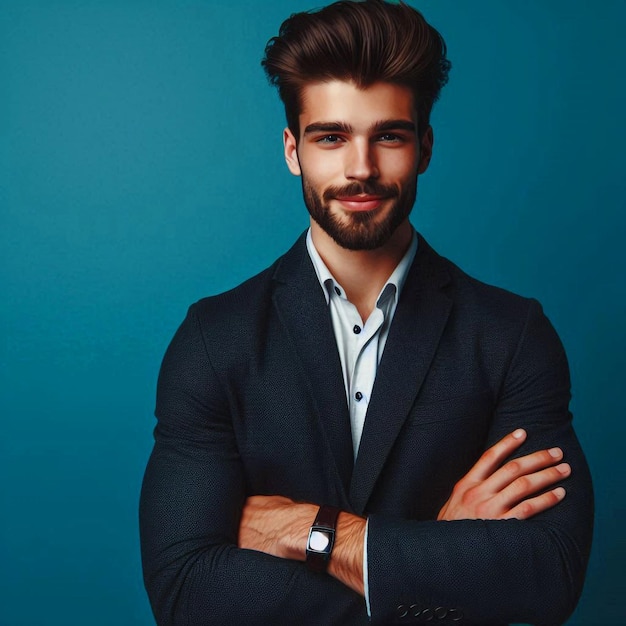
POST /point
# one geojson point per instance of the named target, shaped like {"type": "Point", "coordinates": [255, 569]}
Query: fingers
{"type": "Point", "coordinates": [492, 458]}
{"type": "Point", "coordinates": [498, 488]}
{"type": "Point", "coordinates": [532, 506]}
{"type": "Point", "coordinates": [527, 486]}
{"type": "Point", "coordinates": [522, 467]}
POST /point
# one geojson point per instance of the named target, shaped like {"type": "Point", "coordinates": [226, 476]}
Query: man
{"type": "Point", "coordinates": [363, 433]}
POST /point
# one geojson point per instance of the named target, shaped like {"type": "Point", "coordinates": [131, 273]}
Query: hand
{"type": "Point", "coordinates": [515, 489]}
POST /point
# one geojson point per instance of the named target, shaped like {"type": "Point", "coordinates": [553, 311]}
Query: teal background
{"type": "Point", "coordinates": [141, 169]}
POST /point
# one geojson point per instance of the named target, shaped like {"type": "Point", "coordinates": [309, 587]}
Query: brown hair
{"type": "Point", "coordinates": [365, 42]}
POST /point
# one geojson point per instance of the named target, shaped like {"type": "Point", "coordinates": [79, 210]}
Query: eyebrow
{"type": "Point", "coordinates": [328, 127]}
{"type": "Point", "coordinates": [395, 125]}
{"type": "Point", "coordinates": [342, 127]}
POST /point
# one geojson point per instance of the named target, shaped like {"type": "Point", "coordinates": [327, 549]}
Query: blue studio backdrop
{"type": "Point", "coordinates": [141, 168]}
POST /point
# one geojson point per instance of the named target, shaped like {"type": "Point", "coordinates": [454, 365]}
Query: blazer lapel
{"type": "Point", "coordinates": [418, 323]}
{"type": "Point", "coordinates": [302, 309]}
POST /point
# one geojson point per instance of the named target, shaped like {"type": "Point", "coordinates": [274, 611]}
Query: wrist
{"type": "Point", "coordinates": [346, 563]}
{"type": "Point", "coordinates": [296, 535]}
{"type": "Point", "coordinates": [322, 538]}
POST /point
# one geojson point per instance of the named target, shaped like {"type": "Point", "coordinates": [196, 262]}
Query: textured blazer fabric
{"type": "Point", "coordinates": [251, 401]}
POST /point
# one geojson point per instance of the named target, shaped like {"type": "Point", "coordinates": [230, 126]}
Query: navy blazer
{"type": "Point", "coordinates": [251, 401]}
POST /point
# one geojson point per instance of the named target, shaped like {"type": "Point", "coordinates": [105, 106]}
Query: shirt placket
{"type": "Point", "coordinates": [363, 366]}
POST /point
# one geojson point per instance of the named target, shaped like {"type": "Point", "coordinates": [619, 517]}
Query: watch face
{"type": "Point", "coordinates": [319, 541]}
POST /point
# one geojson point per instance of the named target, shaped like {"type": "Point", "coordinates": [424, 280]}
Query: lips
{"type": "Point", "coordinates": [361, 202]}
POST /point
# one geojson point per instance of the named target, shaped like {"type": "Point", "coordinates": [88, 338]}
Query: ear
{"type": "Point", "coordinates": [291, 152]}
{"type": "Point", "coordinates": [426, 150]}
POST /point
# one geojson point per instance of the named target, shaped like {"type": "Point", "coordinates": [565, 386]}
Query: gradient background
{"type": "Point", "coordinates": [141, 168]}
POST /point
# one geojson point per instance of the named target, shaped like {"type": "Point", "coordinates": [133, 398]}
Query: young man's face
{"type": "Point", "coordinates": [359, 156]}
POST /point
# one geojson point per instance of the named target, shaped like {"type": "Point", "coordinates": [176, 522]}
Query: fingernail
{"type": "Point", "coordinates": [564, 468]}
{"type": "Point", "coordinates": [559, 492]}
{"type": "Point", "coordinates": [519, 433]}
{"type": "Point", "coordinates": [557, 453]}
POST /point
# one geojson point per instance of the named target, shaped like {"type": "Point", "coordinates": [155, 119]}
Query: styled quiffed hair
{"type": "Point", "coordinates": [364, 42]}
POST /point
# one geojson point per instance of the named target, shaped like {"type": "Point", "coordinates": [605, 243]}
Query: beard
{"type": "Point", "coordinates": [360, 230]}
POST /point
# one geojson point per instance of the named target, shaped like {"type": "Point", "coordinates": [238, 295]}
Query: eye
{"type": "Point", "coordinates": [390, 138]}
{"type": "Point", "coordinates": [328, 139]}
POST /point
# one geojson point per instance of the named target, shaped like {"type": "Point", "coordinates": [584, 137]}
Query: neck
{"type": "Point", "coordinates": [362, 273]}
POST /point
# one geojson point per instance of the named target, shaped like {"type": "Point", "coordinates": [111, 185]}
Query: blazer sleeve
{"type": "Point", "coordinates": [191, 501]}
{"type": "Point", "coordinates": [497, 571]}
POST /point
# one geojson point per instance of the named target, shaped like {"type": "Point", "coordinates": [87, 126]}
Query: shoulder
{"type": "Point", "coordinates": [244, 310]}
{"type": "Point", "coordinates": [466, 291]}
{"type": "Point", "coordinates": [242, 299]}
{"type": "Point", "coordinates": [486, 312]}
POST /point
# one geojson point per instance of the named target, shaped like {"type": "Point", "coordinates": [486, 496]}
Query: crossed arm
{"type": "Point", "coordinates": [493, 489]}
{"type": "Point", "coordinates": [495, 569]}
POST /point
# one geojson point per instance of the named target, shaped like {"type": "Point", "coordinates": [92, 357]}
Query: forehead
{"type": "Point", "coordinates": [361, 107]}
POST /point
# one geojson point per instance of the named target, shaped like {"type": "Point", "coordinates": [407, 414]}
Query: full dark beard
{"type": "Point", "coordinates": [359, 230]}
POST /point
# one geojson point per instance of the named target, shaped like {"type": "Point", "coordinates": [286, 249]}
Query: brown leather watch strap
{"type": "Point", "coordinates": [325, 524]}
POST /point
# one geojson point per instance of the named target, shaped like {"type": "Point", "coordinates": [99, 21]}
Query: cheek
{"type": "Point", "coordinates": [401, 165]}
{"type": "Point", "coordinates": [322, 170]}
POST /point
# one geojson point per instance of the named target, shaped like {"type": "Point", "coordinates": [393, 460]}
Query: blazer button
{"type": "Point", "coordinates": [441, 612]}
{"type": "Point", "coordinates": [456, 615]}
{"type": "Point", "coordinates": [427, 615]}
{"type": "Point", "coordinates": [402, 611]}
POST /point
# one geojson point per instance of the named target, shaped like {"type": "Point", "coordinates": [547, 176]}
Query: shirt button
{"type": "Point", "coordinates": [338, 291]}
{"type": "Point", "coordinates": [357, 329]}
{"type": "Point", "coordinates": [359, 396]}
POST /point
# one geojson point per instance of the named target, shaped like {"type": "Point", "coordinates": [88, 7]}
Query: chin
{"type": "Point", "coordinates": [360, 234]}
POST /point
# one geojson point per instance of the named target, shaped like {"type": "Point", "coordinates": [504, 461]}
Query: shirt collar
{"type": "Point", "coordinates": [392, 287]}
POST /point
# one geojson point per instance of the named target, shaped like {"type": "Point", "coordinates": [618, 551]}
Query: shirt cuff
{"type": "Point", "coordinates": [365, 573]}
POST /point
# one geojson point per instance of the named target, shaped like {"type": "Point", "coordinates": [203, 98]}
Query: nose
{"type": "Point", "coordinates": [361, 161]}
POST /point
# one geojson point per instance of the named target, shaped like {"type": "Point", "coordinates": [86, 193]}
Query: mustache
{"type": "Point", "coordinates": [371, 188]}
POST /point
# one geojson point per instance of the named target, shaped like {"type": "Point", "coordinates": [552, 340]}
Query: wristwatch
{"type": "Point", "coordinates": [321, 538]}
